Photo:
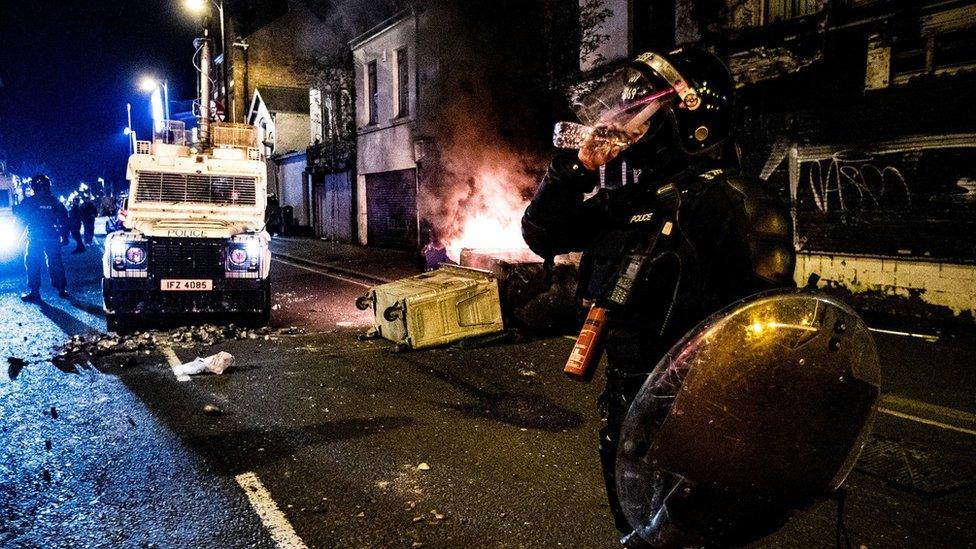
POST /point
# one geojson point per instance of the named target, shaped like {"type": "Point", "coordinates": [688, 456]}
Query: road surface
{"type": "Point", "coordinates": [318, 439]}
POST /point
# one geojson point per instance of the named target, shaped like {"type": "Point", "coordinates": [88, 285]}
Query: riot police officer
{"type": "Point", "coordinates": [47, 227]}
{"type": "Point", "coordinates": [689, 235]}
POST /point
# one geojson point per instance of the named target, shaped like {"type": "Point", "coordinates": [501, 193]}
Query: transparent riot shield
{"type": "Point", "coordinates": [758, 411]}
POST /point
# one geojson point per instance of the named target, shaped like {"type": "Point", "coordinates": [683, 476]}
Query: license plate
{"type": "Point", "coordinates": [186, 285]}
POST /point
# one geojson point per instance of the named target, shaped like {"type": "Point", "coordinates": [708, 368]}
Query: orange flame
{"type": "Point", "coordinates": [491, 217]}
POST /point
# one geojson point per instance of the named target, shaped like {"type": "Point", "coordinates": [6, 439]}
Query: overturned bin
{"type": "Point", "coordinates": [436, 308]}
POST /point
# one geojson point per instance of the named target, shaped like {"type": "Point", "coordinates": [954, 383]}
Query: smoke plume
{"type": "Point", "coordinates": [487, 117]}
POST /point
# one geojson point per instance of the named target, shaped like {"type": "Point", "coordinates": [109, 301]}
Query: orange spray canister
{"type": "Point", "coordinates": [585, 357]}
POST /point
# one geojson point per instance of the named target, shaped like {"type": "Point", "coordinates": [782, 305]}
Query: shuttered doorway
{"type": "Point", "coordinates": [391, 209]}
{"type": "Point", "coordinates": [333, 200]}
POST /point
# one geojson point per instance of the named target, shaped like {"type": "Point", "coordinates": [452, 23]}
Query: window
{"type": "Point", "coordinates": [955, 49]}
{"type": "Point", "coordinates": [4, 199]}
{"type": "Point", "coordinates": [373, 91]}
{"type": "Point", "coordinates": [779, 10]}
{"type": "Point", "coordinates": [331, 131]}
{"type": "Point", "coordinates": [908, 56]}
{"type": "Point", "coordinates": [403, 83]}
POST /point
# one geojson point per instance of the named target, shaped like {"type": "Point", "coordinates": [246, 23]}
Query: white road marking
{"type": "Point", "coordinates": [931, 422]}
{"type": "Point", "coordinates": [274, 520]}
{"type": "Point", "coordinates": [324, 273]}
{"type": "Point", "coordinates": [926, 337]}
{"type": "Point", "coordinates": [938, 416]}
{"type": "Point", "coordinates": [174, 362]}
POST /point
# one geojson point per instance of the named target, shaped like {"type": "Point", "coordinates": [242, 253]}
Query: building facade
{"type": "Point", "coordinates": [385, 63]}
{"type": "Point", "coordinates": [859, 112]}
{"type": "Point", "coordinates": [281, 116]}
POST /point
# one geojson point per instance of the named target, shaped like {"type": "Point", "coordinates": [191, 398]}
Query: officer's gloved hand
{"type": "Point", "coordinates": [569, 172]}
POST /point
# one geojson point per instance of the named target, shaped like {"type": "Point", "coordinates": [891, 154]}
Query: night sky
{"type": "Point", "coordinates": [69, 67]}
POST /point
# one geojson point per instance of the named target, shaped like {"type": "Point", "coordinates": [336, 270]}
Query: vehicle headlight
{"type": "Point", "coordinates": [129, 254]}
{"type": "Point", "coordinates": [244, 254]}
{"type": "Point", "coordinates": [238, 256]}
{"type": "Point", "coordinates": [9, 235]}
{"type": "Point", "coordinates": [136, 255]}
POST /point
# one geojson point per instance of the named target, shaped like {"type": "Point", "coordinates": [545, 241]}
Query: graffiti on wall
{"type": "Point", "coordinates": [851, 182]}
{"type": "Point", "coordinates": [917, 203]}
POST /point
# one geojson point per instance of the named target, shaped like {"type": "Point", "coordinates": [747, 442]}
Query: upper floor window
{"type": "Point", "coordinates": [954, 49]}
{"type": "Point", "coordinates": [779, 10]}
{"type": "Point", "coordinates": [373, 93]}
{"type": "Point", "coordinates": [403, 83]}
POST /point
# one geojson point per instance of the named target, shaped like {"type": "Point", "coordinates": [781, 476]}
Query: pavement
{"type": "Point", "coordinates": [319, 439]}
{"type": "Point", "coordinates": [376, 265]}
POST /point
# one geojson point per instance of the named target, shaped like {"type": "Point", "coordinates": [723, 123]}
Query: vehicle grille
{"type": "Point", "coordinates": [196, 189]}
{"type": "Point", "coordinates": [185, 258]}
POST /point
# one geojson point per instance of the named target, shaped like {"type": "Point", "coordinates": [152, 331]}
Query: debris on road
{"type": "Point", "coordinates": [80, 348]}
{"type": "Point", "coordinates": [423, 467]}
{"type": "Point", "coordinates": [212, 410]}
{"type": "Point", "coordinates": [54, 413]}
{"type": "Point", "coordinates": [215, 364]}
{"type": "Point", "coordinates": [14, 366]}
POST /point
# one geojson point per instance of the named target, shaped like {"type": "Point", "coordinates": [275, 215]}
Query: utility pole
{"type": "Point", "coordinates": [205, 56]}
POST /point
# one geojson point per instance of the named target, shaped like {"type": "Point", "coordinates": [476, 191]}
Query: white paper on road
{"type": "Point", "coordinates": [215, 364]}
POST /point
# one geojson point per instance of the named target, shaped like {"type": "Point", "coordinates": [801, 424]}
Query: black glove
{"type": "Point", "coordinates": [567, 171]}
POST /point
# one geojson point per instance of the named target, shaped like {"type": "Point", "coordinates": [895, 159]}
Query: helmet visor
{"type": "Point", "coordinates": [625, 103]}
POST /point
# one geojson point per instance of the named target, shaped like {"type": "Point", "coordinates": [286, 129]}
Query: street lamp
{"type": "Point", "coordinates": [149, 84]}
{"type": "Point", "coordinates": [129, 132]}
{"type": "Point", "coordinates": [196, 6]}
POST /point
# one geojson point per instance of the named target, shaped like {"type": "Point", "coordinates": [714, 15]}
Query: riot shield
{"type": "Point", "coordinates": [758, 411]}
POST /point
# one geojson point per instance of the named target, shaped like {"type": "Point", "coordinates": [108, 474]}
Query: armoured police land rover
{"type": "Point", "coordinates": [193, 241]}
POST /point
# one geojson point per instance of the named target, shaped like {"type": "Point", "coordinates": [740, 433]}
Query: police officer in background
{"type": "Point", "coordinates": [89, 211]}
{"type": "Point", "coordinates": [47, 227]}
{"type": "Point", "coordinates": [688, 236]}
{"type": "Point", "coordinates": [75, 222]}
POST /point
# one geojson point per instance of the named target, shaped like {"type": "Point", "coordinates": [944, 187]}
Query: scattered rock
{"type": "Point", "coordinates": [212, 410]}
{"type": "Point", "coordinates": [46, 475]}
{"type": "Point", "coordinates": [417, 519]}
{"type": "Point", "coordinates": [423, 467]}
{"type": "Point", "coordinates": [527, 373]}
{"type": "Point", "coordinates": [81, 347]}
{"type": "Point", "coordinates": [54, 413]}
{"type": "Point", "coordinates": [361, 515]}
{"type": "Point", "coordinates": [131, 421]}
{"type": "Point", "coordinates": [14, 366]}
{"type": "Point", "coordinates": [437, 515]}
{"type": "Point", "coordinates": [48, 445]}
